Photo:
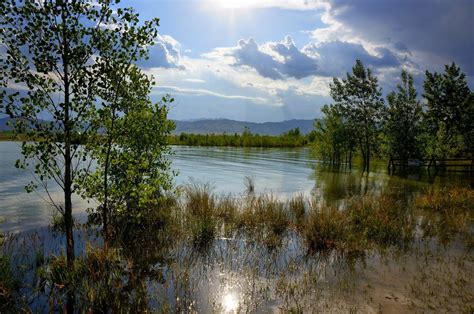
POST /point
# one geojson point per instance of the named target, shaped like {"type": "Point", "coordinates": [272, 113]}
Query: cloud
{"type": "Point", "coordinates": [248, 53]}
{"type": "Point", "coordinates": [193, 80]}
{"type": "Point", "coordinates": [200, 92]}
{"type": "Point", "coordinates": [433, 32]}
{"type": "Point", "coordinates": [272, 60]}
{"type": "Point", "coordinates": [261, 4]}
{"type": "Point", "coordinates": [337, 57]}
{"type": "Point", "coordinates": [283, 60]}
{"type": "Point", "coordinates": [295, 63]}
{"type": "Point", "coordinates": [165, 53]}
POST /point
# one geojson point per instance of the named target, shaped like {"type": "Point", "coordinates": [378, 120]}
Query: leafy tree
{"type": "Point", "coordinates": [360, 101]}
{"type": "Point", "coordinates": [53, 76]}
{"type": "Point", "coordinates": [123, 94]}
{"type": "Point", "coordinates": [333, 137]}
{"type": "Point", "coordinates": [403, 118]}
{"type": "Point", "coordinates": [450, 108]}
{"type": "Point", "coordinates": [132, 171]}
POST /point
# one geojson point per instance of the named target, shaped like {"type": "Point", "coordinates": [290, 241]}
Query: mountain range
{"type": "Point", "coordinates": [218, 126]}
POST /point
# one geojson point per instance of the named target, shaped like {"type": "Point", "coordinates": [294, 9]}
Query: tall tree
{"type": "Point", "coordinates": [52, 79]}
{"type": "Point", "coordinates": [132, 172]}
{"type": "Point", "coordinates": [333, 138]}
{"type": "Point", "coordinates": [403, 118]}
{"type": "Point", "coordinates": [360, 100]}
{"type": "Point", "coordinates": [450, 107]}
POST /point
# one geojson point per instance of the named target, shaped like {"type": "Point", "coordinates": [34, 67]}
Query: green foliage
{"type": "Point", "coordinates": [402, 123]}
{"type": "Point", "coordinates": [450, 112]}
{"type": "Point", "coordinates": [55, 66]}
{"type": "Point", "coordinates": [135, 165]}
{"type": "Point", "coordinates": [79, 73]}
{"type": "Point", "coordinates": [358, 118]}
{"type": "Point", "coordinates": [333, 138]}
{"type": "Point", "coordinates": [359, 100]}
{"type": "Point", "coordinates": [292, 138]}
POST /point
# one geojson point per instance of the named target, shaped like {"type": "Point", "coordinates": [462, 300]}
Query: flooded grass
{"type": "Point", "coordinates": [258, 253]}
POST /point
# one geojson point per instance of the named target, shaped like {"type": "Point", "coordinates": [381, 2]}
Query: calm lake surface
{"type": "Point", "coordinates": [240, 272]}
{"type": "Point", "coordinates": [282, 172]}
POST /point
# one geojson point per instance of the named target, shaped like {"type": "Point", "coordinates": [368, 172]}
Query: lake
{"type": "Point", "coordinates": [282, 172]}
{"type": "Point", "coordinates": [249, 269]}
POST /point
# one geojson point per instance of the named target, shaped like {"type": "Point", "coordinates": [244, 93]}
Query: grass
{"type": "Point", "coordinates": [227, 228]}
{"type": "Point", "coordinates": [367, 222]}
{"type": "Point", "coordinates": [326, 229]}
{"type": "Point", "coordinates": [447, 213]}
{"type": "Point", "coordinates": [8, 285]}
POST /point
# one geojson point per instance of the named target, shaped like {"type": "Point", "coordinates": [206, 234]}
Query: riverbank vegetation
{"type": "Point", "coordinates": [159, 270]}
{"type": "Point", "coordinates": [359, 122]}
{"type": "Point", "coordinates": [292, 138]}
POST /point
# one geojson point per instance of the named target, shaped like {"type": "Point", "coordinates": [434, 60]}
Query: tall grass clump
{"type": "Point", "coordinates": [200, 210]}
{"type": "Point", "coordinates": [264, 217]}
{"type": "Point", "coordinates": [325, 229]}
{"type": "Point", "coordinates": [381, 220]}
{"type": "Point", "coordinates": [8, 285]}
{"type": "Point", "coordinates": [366, 222]}
{"type": "Point", "coordinates": [297, 208]}
{"type": "Point", "coordinates": [447, 212]}
{"type": "Point", "coordinates": [249, 183]}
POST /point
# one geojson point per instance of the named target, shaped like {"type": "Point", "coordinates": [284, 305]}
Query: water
{"type": "Point", "coordinates": [242, 272]}
{"type": "Point", "coordinates": [282, 172]}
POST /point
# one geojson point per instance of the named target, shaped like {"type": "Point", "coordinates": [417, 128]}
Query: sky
{"type": "Point", "coordinates": [272, 60]}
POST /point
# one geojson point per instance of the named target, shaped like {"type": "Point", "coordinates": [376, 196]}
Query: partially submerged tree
{"type": "Point", "coordinates": [132, 173]}
{"type": "Point", "coordinates": [360, 101]}
{"type": "Point", "coordinates": [333, 138]}
{"type": "Point", "coordinates": [62, 58]}
{"type": "Point", "coordinates": [402, 123]}
{"type": "Point", "coordinates": [450, 110]}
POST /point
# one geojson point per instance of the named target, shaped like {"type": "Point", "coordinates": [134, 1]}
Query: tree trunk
{"type": "Point", "coordinates": [350, 160]}
{"type": "Point", "coordinates": [67, 161]}
{"type": "Point", "coordinates": [67, 167]}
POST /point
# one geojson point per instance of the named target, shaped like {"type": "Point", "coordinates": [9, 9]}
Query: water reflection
{"type": "Point", "coordinates": [230, 302]}
{"type": "Point", "coordinates": [333, 185]}
{"type": "Point", "coordinates": [282, 172]}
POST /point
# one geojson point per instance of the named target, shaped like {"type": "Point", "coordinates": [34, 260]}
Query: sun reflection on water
{"type": "Point", "coordinates": [230, 302]}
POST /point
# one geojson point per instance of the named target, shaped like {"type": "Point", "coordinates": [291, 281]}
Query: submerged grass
{"type": "Point", "coordinates": [8, 285]}
{"type": "Point", "coordinates": [366, 222]}
{"type": "Point", "coordinates": [447, 213]}
{"type": "Point", "coordinates": [134, 268]}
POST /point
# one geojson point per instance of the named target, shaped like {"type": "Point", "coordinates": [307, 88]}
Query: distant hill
{"type": "Point", "coordinates": [207, 126]}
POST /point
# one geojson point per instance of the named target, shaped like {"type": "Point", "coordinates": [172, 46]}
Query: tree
{"type": "Point", "coordinates": [450, 108]}
{"type": "Point", "coordinates": [333, 140]}
{"type": "Point", "coordinates": [52, 81]}
{"type": "Point", "coordinates": [123, 93]}
{"type": "Point", "coordinates": [132, 171]}
{"type": "Point", "coordinates": [402, 125]}
{"type": "Point", "coordinates": [360, 101]}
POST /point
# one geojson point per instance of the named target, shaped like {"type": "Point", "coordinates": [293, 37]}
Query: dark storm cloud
{"type": "Point", "coordinates": [337, 57]}
{"type": "Point", "coordinates": [444, 28]}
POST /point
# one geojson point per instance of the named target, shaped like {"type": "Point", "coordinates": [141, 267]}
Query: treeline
{"type": "Point", "coordinates": [361, 121]}
{"type": "Point", "coordinates": [292, 138]}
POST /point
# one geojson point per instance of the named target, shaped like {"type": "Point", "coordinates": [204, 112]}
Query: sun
{"type": "Point", "coordinates": [230, 302]}
{"type": "Point", "coordinates": [238, 4]}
